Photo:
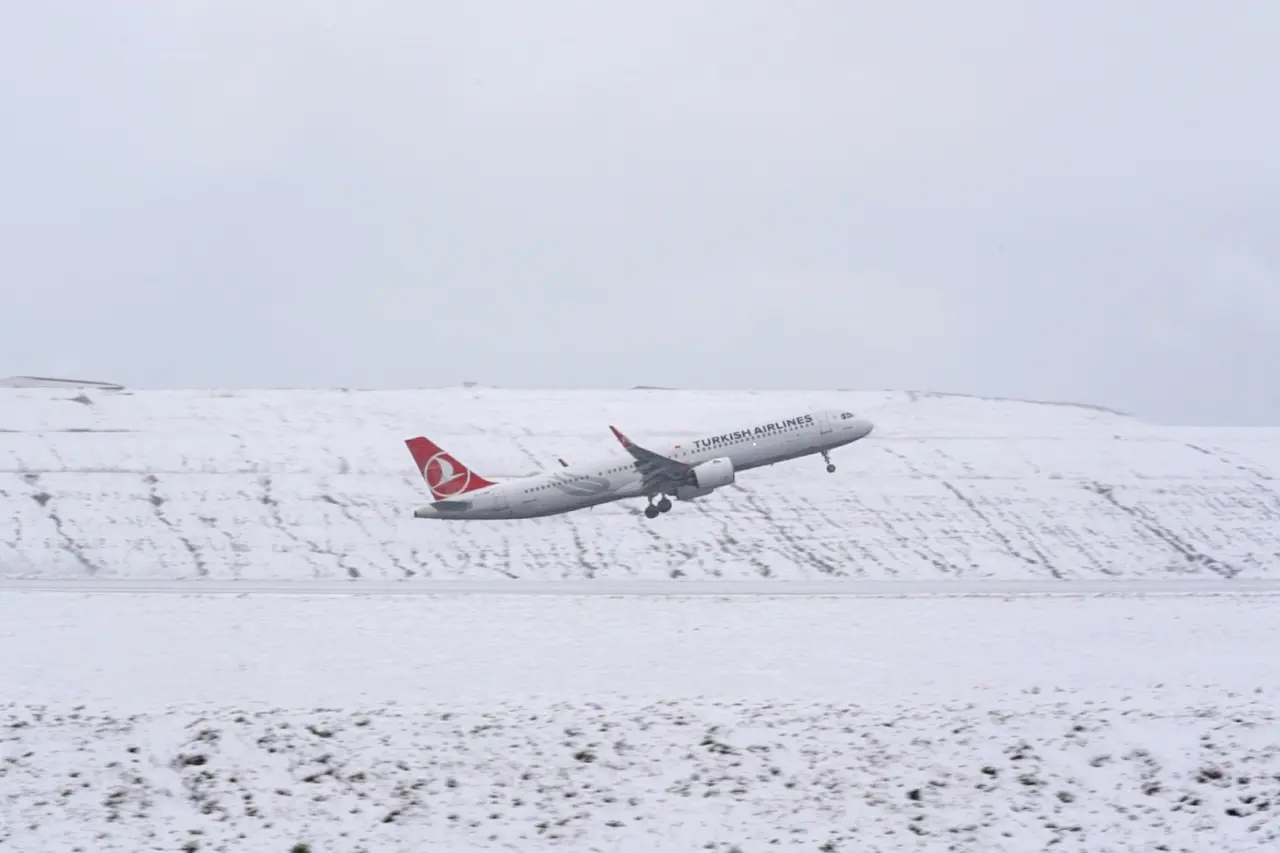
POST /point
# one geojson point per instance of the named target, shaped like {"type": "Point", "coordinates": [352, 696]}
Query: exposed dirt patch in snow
{"type": "Point", "coordinates": [1060, 772]}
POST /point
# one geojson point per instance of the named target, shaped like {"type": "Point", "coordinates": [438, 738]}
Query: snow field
{"type": "Point", "coordinates": [318, 484]}
{"type": "Point", "coordinates": [1035, 772]}
{"type": "Point", "coordinates": [218, 714]}
{"type": "Point", "coordinates": [208, 721]}
{"type": "Point", "coordinates": [140, 653]}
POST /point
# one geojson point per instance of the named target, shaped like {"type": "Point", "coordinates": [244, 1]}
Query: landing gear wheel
{"type": "Point", "coordinates": [664, 505]}
{"type": "Point", "coordinates": [651, 511]}
{"type": "Point", "coordinates": [831, 469]}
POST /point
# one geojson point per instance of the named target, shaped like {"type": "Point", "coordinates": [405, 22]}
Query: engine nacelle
{"type": "Point", "coordinates": [688, 493]}
{"type": "Point", "coordinates": [714, 473]}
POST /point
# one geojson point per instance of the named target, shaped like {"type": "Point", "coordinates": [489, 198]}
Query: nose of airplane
{"type": "Point", "coordinates": [861, 427]}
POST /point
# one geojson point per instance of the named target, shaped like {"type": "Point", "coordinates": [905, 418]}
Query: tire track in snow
{"type": "Point", "coordinates": [1221, 456]}
{"type": "Point", "coordinates": [533, 458]}
{"type": "Point", "coordinates": [359, 524]}
{"type": "Point", "coordinates": [883, 522]}
{"type": "Point", "coordinates": [493, 557]}
{"type": "Point", "coordinates": [647, 527]}
{"type": "Point", "coordinates": [1164, 534]}
{"type": "Point", "coordinates": [590, 569]}
{"type": "Point", "coordinates": [16, 541]}
{"type": "Point", "coordinates": [235, 563]}
{"type": "Point", "coordinates": [267, 498]}
{"type": "Point", "coordinates": [1012, 521]}
{"type": "Point", "coordinates": [999, 534]}
{"type": "Point", "coordinates": [800, 548]}
{"type": "Point", "coordinates": [853, 548]}
{"type": "Point", "coordinates": [504, 558]}
{"type": "Point", "coordinates": [422, 564]}
{"type": "Point", "coordinates": [1272, 511]}
{"type": "Point", "coordinates": [157, 501]}
{"type": "Point", "coordinates": [995, 531]}
{"type": "Point", "coordinates": [1264, 477]}
{"type": "Point", "coordinates": [69, 543]}
{"type": "Point", "coordinates": [1076, 541]}
{"type": "Point", "coordinates": [915, 546]}
{"type": "Point", "coordinates": [726, 542]}
{"type": "Point", "coordinates": [468, 552]}
{"type": "Point", "coordinates": [1023, 528]}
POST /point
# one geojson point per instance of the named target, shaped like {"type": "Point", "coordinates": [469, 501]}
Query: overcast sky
{"type": "Point", "coordinates": [1072, 201]}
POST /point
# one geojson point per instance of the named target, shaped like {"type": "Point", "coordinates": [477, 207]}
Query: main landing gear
{"type": "Point", "coordinates": [653, 509]}
{"type": "Point", "coordinates": [831, 469]}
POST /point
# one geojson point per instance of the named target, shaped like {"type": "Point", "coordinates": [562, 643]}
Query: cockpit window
{"type": "Point", "coordinates": [844, 416]}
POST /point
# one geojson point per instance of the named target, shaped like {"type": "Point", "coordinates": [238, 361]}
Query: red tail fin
{"type": "Point", "coordinates": [446, 477]}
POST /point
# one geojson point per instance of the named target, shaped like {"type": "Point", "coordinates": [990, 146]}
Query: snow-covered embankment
{"type": "Point", "coordinates": [284, 484]}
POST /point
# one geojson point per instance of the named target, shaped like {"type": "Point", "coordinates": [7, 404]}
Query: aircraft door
{"type": "Point", "coordinates": [824, 423]}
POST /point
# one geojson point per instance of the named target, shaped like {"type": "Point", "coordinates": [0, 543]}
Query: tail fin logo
{"type": "Point", "coordinates": [444, 474]}
{"type": "Point", "coordinates": [444, 477]}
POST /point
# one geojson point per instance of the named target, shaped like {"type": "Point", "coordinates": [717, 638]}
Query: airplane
{"type": "Point", "coordinates": [686, 471]}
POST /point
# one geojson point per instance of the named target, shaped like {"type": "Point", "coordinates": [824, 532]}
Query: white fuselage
{"type": "Point", "coordinates": [618, 478]}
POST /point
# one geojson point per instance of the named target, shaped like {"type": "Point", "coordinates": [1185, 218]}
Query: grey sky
{"type": "Point", "coordinates": [1054, 200]}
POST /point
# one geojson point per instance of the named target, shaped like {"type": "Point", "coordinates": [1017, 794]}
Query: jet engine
{"type": "Point", "coordinates": [713, 473]}
{"type": "Point", "coordinates": [688, 493]}
{"type": "Point", "coordinates": [706, 478]}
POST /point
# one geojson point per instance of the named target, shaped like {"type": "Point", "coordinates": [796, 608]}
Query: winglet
{"type": "Point", "coordinates": [622, 439]}
{"type": "Point", "coordinates": [563, 464]}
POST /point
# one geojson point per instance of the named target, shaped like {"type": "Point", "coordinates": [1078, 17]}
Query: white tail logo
{"type": "Point", "coordinates": [443, 476]}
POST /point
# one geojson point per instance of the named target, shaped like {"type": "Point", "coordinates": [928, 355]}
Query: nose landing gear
{"type": "Point", "coordinates": [831, 469]}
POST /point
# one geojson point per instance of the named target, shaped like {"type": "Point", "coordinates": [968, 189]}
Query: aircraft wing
{"type": "Point", "coordinates": [658, 472]}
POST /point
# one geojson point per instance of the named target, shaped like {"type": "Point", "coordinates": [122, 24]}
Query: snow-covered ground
{"type": "Point", "coordinates": [306, 484]}
{"type": "Point", "coordinates": [1006, 627]}
{"type": "Point", "coordinates": [412, 722]}
{"type": "Point", "coordinates": [1035, 773]}
{"type": "Point", "coordinates": [137, 653]}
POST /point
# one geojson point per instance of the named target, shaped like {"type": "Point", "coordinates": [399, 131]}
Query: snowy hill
{"type": "Point", "coordinates": [307, 484]}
